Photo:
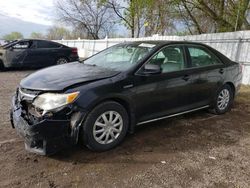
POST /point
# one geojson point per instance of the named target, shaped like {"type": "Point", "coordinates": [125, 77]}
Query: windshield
{"type": "Point", "coordinates": [121, 57]}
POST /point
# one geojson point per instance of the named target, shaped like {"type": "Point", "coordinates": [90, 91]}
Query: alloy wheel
{"type": "Point", "coordinates": [223, 99]}
{"type": "Point", "coordinates": [61, 61]}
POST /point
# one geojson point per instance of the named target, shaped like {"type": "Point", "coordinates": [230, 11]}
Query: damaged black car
{"type": "Point", "coordinates": [104, 97]}
{"type": "Point", "coordinates": [34, 53]}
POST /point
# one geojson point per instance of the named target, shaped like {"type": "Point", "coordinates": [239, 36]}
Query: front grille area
{"type": "Point", "coordinates": [25, 98]}
{"type": "Point", "coordinates": [33, 115]}
{"type": "Point", "coordinates": [29, 91]}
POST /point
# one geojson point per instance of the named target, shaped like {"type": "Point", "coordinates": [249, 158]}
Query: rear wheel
{"type": "Point", "coordinates": [224, 100]}
{"type": "Point", "coordinates": [1, 66]}
{"type": "Point", "coordinates": [61, 60]}
{"type": "Point", "coordinates": [105, 127]}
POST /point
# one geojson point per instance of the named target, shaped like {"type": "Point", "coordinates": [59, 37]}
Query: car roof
{"type": "Point", "coordinates": [20, 40]}
{"type": "Point", "coordinates": [30, 39]}
{"type": "Point", "coordinates": [163, 42]}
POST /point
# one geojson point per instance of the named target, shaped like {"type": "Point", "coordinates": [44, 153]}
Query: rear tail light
{"type": "Point", "coordinates": [74, 51]}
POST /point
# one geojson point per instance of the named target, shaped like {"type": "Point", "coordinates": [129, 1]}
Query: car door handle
{"type": "Point", "coordinates": [186, 77]}
{"type": "Point", "coordinates": [221, 71]}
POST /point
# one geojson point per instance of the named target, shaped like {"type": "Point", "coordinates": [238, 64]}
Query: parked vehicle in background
{"type": "Point", "coordinates": [3, 42]}
{"type": "Point", "coordinates": [106, 96]}
{"type": "Point", "coordinates": [33, 53]}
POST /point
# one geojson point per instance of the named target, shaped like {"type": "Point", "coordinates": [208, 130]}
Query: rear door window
{"type": "Point", "coordinates": [47, 44]}
{"type": "Point", "coordinates": [201, 57]}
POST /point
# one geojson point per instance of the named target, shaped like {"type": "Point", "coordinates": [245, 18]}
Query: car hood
{"type": "Point", "coordinates": [59, 77]}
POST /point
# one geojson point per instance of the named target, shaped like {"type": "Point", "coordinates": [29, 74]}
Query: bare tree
{"type": "Point", "coordinates": [215, 15]}
{"type": "Point", "coordinates": [57, 33]}
{"type": "Point", "coordinates": [13, 36]}
{"type": "Point", "coordinates": [159, 17]}
{"type": "Point", "coordinates": [144, 16]}
{"type": "Point", "coordinates": [79, 32]}
{"type": "Point", "coordinates": [37, 35]}
{"type": "Point", "coordinates": [89, 15]}
{"type": "Point", "coordinates": [130, 13]}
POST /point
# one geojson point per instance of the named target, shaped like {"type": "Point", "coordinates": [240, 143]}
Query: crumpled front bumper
{"type": "Point", "coordinates": [44, 138]}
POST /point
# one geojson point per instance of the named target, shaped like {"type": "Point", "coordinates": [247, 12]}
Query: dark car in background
{"type": "Point", "coordinates": [103, 98]}
{"type": "Point", "coordinates": [33, 53]}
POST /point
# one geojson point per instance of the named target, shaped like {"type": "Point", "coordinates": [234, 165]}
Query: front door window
{"type": "Point", "coordinates": [170, 59]}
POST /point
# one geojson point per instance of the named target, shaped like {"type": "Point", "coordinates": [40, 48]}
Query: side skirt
{"type": "Point", "coordinates": [173, 115]}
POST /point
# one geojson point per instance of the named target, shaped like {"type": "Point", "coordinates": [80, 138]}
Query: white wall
{"type": "Point", "coordinates": [235, 45]}
{"type": "Point", "coordinates": [246, 74]}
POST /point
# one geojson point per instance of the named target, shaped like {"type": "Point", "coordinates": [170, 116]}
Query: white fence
{"type": "Point", "coordinates": [235, 45]}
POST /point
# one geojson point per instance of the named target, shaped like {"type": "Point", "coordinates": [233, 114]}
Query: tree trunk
{"type": "Point", "coordinates": [132, 32]}
{"type": "Point", "coordinates": [197, 26]}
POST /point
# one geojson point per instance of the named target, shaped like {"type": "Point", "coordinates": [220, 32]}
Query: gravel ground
{"type": "Point", "coordinates": [193, 150]}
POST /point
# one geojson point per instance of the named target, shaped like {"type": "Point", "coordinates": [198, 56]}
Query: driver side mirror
{"type": "Point", "coordinates": [152, 69]}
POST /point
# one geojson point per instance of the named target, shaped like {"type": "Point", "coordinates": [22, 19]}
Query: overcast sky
{"type": "Point", "coordinates": [37, 11]}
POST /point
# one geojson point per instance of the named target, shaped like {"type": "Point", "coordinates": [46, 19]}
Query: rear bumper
{"type": "Point", "coordinates": [44, 138]}
{"type": "Point", "coordinates": [73, 58]}
{"type": "Point", "coordinates": [238, 84]}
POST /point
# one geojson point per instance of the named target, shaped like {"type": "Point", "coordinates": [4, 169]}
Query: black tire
{"type": "Point", "coordinates": [2, 68]}
{"type": "Point", "coordinates": [89, 124]}
{"type": "Point", "coordinates": [61, 60]}
{"type": "Point", "coordinates": [216, 104]}
{"type": "Point", "coordinates": [11, 119]}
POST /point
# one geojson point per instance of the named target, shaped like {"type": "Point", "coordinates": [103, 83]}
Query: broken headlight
{"type": "Point", "coordinates": [51, 101]}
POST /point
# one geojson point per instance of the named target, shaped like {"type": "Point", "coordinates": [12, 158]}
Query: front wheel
{"type": "Point", "coordinates": [223, 101]}
{"type": "Point", "coordinates": [105, 127]}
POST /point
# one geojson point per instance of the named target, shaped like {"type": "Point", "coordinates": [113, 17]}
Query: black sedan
{"type": "Point", "coordinates": [35, 54]}
{"type": "Point", "coordinates": [103, 98]}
